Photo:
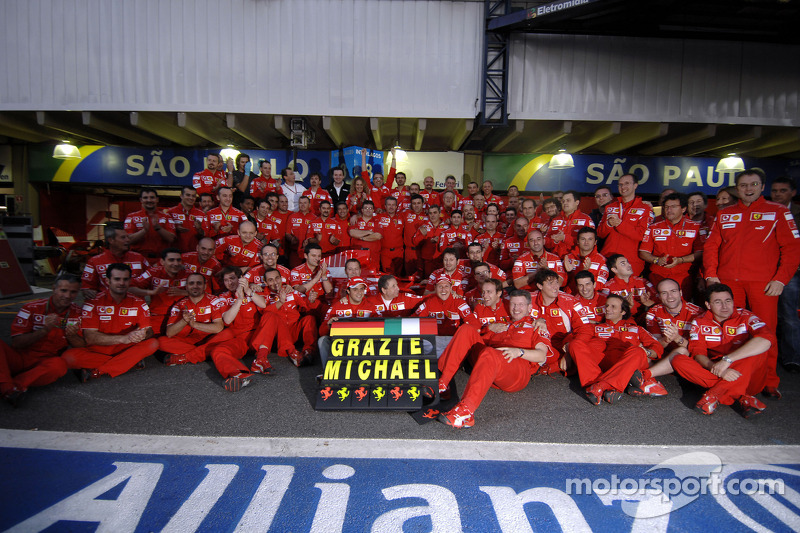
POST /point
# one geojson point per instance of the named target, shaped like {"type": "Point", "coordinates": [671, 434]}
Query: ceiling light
{"type": "Point", "coordinates": [400, 155]}
{"type": "Point", "coordinates": [732, 163]}
{"type": "Point", "coordinates": [66, 151]}
{"type": "Point", "coordinates": [561, 160]}
{"type": "Point", "coordinates": [229, 153]}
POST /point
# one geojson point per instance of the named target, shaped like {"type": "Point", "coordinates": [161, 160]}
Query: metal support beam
{"type": "Point", "coordinates": [778, 149]}
{"type": "Point", "coordinates": [576, 143]}
{"type": "Point", "coordinates": [770, 140]}
{"type": "Point", "coordinates": [282, 125]}
{"type": "Point", "coordinates": [13, 126]}
{"type": "Point", "coordinates": [528, 18]}
{"type": "Point", "coordinates": [209, 127]}
{"type": "Point", "coordinates": [95, 121]}
{"type": "Point", "coordinates": [163, 127]}
{"type": "Point", "coordinates": [513, 133]}
{"type": "Point", "coordinates": [494, 89]}
{"type": "Point", "coordinates": [633, 136]}
{"type": "Point", "coordinates": [375, 128]}
{"type": "Point", "coordinates": [551, 137]}
{"type": "Point", "coordinates": [334, 130]}
{"type": "Point", "coordinates": [722, 142]}
{"type": "Point", "coordinates": [672, 144]}
{"type": "Point", "coordinates": [49, 120]}
{"type": "Point", "coordinates": [461, 133]}
{"type": "Point", "coordinates": [244, 128]}
{"type": "Point", "coordinates": [419, 133]}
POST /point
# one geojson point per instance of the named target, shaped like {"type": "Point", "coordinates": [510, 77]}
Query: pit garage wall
{"type": "Point", "coordinates": [585, 77]}
{"type": "Point", "coordinates": [312, 57]}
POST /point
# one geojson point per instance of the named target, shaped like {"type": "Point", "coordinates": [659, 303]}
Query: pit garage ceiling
{"type": "Point", "coordinates": [769, 21]}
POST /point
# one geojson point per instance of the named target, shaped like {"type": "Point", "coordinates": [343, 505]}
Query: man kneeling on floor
{"type": "Point", "coordinates": [727, 346]}
{"type": "Point", "coordinates": [506, 358]}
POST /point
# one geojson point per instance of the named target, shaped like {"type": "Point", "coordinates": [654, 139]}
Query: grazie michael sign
{"type": "Point", "coordinates": [379, 364]}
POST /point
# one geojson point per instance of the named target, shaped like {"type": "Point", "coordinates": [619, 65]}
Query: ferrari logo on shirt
{"type": "Point", "coordinates": [731, 330]}
{"type": "Point", "coordinates": [555, 312]}
{"type": "Point", "coordinates": [123, 312]}
{"type": "Point", "coordinates": [128, 311]}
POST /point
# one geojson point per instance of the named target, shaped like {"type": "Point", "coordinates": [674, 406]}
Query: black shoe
{"type": "Point", "coordinates": [612, 396]}
{"type": "Point", "coordinates": [14, 397]}
{"type": "Point", "coordinates": [637, 379]}
{"type": "Point", "coordinates": [89, 374]}
{"type": "Point", "coordinates": [792, 367]}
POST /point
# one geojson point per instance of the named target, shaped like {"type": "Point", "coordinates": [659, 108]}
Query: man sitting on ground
{"type": "Point", "coordinates": [727, 346]}
{"type": "Point", "coordinates": [506, 358]}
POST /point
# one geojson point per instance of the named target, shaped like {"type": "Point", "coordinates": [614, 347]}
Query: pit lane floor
{"type": "Point", "coordinates": [114, 427]}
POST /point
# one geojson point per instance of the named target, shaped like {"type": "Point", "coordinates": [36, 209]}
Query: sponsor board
{"type": "Point", "coordinates": [217, 484]}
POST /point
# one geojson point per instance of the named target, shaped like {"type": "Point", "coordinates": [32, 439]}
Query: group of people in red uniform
{"type": "Point", "coordinates": [524, 287]}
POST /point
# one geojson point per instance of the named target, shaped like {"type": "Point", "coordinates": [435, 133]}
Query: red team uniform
{"type": "Point", "coordinates": [187, 240]}
{"type": "Point", "coordinates": [107, 316]}
{"type": "Point", "coordinates": [448, 313]}
{"type": "Point", "coordinates": [392, 242]}
{"type": "Point", "coordinates": [490, 368]}
{"type": "Point", "coordinates": [39, 364]}
{"type": "Point", "coordinates": [625, 238]}
{"type": "Point", "coordinates": [608, 354]}
{"type": "Point", "coordinates": [749, 246]}
{"type": "Point", "coordinates": [152, 244]}
{"type": "Point", "coordinates": [207, 182]}
{"type": "Point", "coordinates": [714, 340]}
{"type": "Point", "coordinates": [94, 273]}
{"type": "Point", "coordinates": [678, 240]}
{"type": "Point", "coordinates": [231, 251]}
{"type": "Point", "coordinates": [231, 216]}
{"type": "Point", "coordinates": [527, 264]}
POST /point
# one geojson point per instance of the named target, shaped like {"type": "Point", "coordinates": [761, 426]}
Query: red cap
{"type": "Point", "coordinates": [443, 277]}
{"type": "Point", "coordinates": [355, 282]}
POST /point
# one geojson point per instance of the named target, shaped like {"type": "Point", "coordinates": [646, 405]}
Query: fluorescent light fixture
{"type": "Point", "coordinates": [66, 151]}
{"type": "Point", "coordinates": [561, 160]}
{"type": "Point", "coordinates": [732, 163]}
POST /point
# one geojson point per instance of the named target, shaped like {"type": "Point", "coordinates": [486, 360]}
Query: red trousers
{"type": "Point", "coordinates": [609, 363]}
{"type": "Point", "coordinates": [28, 368]}
{"type": "Point", "coordinates": [266, 331]}
{"type": "Point", "coordinates": [112, 360]}
{"type": "Point", "coordinates": [750, 294]}
{"type": "Point", "coordinates": [159, 324]}
{"type": "Point", "coordinates": [490, 367]}
{"type": "Point", "coordinates": [725, 391]}
{"type": "Point", "coordinates": [411, 261]}
{"type": "Point", "coordinates": [192, 346]}
{"type": "Point", "coordinates": [289, 333]}
{"type": "Point", "coordinates": [226, 349]}
{"type": "Point", "coordinates": [392, 261]}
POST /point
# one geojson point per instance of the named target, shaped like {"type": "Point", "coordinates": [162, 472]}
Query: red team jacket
{"type": "Point", "coordinates": [755, 243]}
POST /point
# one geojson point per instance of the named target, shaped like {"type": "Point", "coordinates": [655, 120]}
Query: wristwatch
{"type": "Point", "coordinates": [727, 359]}
{"type": "Point", "coordinates": [521, 352]}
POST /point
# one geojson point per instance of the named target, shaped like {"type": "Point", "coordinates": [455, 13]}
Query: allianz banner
{"type": "Point", "coordinates": [529, 172]}
{"type": "Point", "coordinates": [165, 167]}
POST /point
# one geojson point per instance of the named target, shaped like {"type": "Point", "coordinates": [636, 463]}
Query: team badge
{"type": "Point", "coordinates": [731, 330]}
